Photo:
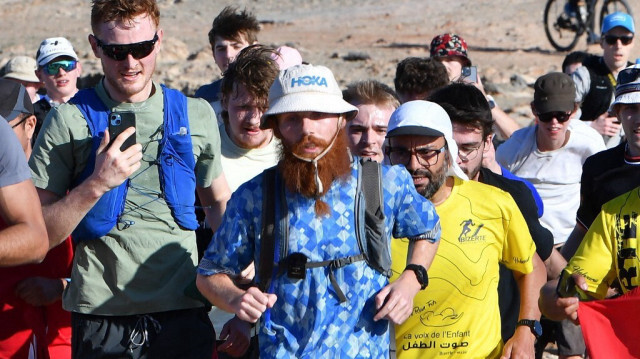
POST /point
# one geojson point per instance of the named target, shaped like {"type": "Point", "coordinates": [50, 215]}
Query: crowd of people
{"type": "Point", "coordinates": [275, 214]}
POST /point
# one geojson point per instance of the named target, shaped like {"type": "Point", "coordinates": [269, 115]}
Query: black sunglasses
{"type": "Point", "coordinates": [560, 116]}
{"type": "Point", "coordinates": [119, 52]}
{"type": "Point", "coordinates": [612, 39]}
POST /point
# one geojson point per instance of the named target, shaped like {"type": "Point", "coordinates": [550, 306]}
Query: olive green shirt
{"type": "Point", "coordinates": [145, 267]}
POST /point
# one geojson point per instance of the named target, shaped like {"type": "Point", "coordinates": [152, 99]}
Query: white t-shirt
{"type": "Point", "coordinates": [555, 174]}
{"type": "Point", "coordinates": [240, 165]}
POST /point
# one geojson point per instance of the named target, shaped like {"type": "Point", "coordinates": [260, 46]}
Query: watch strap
{"type": "Point", "coordinates": [421, 274]}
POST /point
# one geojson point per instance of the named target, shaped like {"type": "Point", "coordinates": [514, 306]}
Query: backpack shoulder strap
{"type": "Point", "coordinates": [377, 245]}
{"type": "Point", "coordinates": [267, 240]}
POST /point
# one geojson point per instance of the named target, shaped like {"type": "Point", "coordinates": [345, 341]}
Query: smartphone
{"type": "Point", "coordinates": [469, 73]}
{"type": "Point", "coordinates": [118, 122]}
{"type": "Point", "coordinates": [567, 287]}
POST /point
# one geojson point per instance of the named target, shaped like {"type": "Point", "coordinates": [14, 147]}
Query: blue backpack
{"type": "Point", "coordinates": [176, 166]}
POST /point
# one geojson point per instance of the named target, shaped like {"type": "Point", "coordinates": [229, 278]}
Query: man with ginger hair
{"type": "Point", "coordinates": [321, 298]}
{"type": "Point", "coordinates": [133, 223]}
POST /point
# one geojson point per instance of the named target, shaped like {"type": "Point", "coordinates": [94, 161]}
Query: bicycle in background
{"type": "Point", "coordinates": [566, 20]}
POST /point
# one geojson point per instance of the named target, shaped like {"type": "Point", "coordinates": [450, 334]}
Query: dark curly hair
{"type": "Point", "coordinates": [415, 75]}
{"type": "Point", "coordinates": [465, 104]}
{"type": "Point", "coordinates": [256, 70]}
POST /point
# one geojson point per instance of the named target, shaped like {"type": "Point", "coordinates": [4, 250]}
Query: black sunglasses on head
{"type": "Point", "coordinates": [612, 39]}
{"type": "Point", "coordinates": [119, 52]}
{"type": "Point", "coordinates": [548, 116]}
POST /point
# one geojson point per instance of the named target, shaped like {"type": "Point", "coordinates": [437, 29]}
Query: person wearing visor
{"type": "Point", "coordinates": [58, 69]}
{"type": "Point", "coordinates": [481, 228]}
{"type": "Point", "coordinates": [107, 165]}
{"type": "Point", "coordinates": [322, 297]}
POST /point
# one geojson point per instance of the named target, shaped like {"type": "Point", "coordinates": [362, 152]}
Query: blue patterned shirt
{"type": "Point", "coordinates": [308, 319]}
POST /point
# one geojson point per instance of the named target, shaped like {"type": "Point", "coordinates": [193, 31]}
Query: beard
{"type": "Point", "coordinates": [436, 180]}
{"type": "Point", "coordinates": [300, 176]}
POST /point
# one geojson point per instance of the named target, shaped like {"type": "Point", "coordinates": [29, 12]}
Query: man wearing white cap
{"type": "Point", "coordinates": [322, 296]}
{"type": "Point", "coordinates": [22, 69]}
{"type": "Point", "coordinates": [58, 69]}
{"type": "Point", "coordinates": [482, 227]}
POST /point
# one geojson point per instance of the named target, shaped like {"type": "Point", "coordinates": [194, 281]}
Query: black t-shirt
{"type": "Point", "coordinates": [508, 293]}
{"type": "Point", "coordinates": [605, 176]}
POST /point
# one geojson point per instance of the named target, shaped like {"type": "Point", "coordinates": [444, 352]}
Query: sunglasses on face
{"type": "Point", "coordinates": [612, 39]}
{"type": "Point", "coordinates": [52, 68]}
{"type": "Point", "coordinates": [548, 116]}
{"type": "Point", "coordinates": [119, 52]}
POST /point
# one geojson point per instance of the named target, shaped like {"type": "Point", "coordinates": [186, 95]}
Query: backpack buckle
{"type": "Point", "coordinates": [297, 266]}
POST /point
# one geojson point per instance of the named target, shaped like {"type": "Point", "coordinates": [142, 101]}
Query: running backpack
{"type": "Point", "coordinates": [369, 225]}
{"type": "Point", "coordinates": [176, 166]}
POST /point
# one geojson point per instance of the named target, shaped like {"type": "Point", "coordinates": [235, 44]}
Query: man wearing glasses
{"type": "Point", "coordinates": [596, 79]}
{"type": "Point", "coordinates": [132, 221]}
{"type": "Point", "coordinates": [472, 124]}
{"type": "Point", "coordinates": [481, 228]}
{"type": "Point", "coordinates": [58, 69]}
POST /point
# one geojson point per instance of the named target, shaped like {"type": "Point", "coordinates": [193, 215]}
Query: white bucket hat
{"type": "Point", "coordinates": [304, 88]}
{"type": "Point", "coordinates": [423, 118]}
{"type": "Point", "coordinates": [628, 88]}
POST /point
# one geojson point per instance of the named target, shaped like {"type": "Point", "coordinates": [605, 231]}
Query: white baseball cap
{"type": "Point", "coordinates": [54, 47]}
{"type": "Point", "coordinates": [302, 88]}
{"type": "Point", "coordinates": [424, 118]}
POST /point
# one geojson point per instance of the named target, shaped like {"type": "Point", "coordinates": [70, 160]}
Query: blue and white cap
{"type": "Point", "coordinates": [304, 88]}
{"type": "Point", "coordinates": [628, 88]}
{"type": "Point", "coordinates": [424, 118]}
{"type": "Point", "coordinates": [616, 19]}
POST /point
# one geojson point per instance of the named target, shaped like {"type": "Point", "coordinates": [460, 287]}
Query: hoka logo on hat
{"type": "Point", "coordinates": [309, 81]}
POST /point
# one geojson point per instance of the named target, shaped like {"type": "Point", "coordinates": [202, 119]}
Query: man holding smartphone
{"type": "Point", "coordinates": [132, 222]}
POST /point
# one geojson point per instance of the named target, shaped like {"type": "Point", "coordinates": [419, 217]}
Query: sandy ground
{"type": "Point", "coordinates": [506, 37]}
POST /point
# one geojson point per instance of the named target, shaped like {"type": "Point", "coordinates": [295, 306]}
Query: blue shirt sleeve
{"type": "Point", "coordinates": [233, 245]}
{"type": "Point", "coordinates": [13, 162]}
{"type": "Point", "coordinates": [414, 216]}
{"type": "Point", "coordinates": [529, 185]}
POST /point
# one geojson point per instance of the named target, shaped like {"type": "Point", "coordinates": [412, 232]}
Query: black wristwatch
{"type": "Point", "coordinates": [534, 325]}
{"type": "Point", "coordinates": [421, 274]}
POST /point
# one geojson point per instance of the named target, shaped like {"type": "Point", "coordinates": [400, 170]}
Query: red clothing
{"type": "Point", "coordinates": [610, 328]}
{"type": "Point", "coordinates": [35, 332]}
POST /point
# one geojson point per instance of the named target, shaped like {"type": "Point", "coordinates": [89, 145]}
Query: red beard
{"type": "Point", "coordinates": [299, 176]}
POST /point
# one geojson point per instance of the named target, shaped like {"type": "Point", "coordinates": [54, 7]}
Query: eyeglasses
{"type": "Point", "coordinates": [425, 156]}
{"type": "Point", "coordinates": [468, 153]}
{"type": "Point", "coordinates": [612, 39]}
{"type": "Point", "coordinates": [548, 116]}
{"type": "Point", "coordinates": [52, 68]}
{"type": "Point", "coordinates": [119, 52]}
{"type": "Point", "coordinates": [26, 116]}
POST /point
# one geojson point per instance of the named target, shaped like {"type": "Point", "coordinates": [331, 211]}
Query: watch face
{"type": "Point", "coordinates": [537, 328]}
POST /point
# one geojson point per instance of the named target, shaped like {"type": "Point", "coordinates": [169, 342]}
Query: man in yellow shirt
{"type": "Point", "coordinates": [457, 315]}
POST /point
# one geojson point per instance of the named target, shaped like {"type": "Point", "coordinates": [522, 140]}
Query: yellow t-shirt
{"type": "Point", "coordinates": [457, 315]}
{"type": "Point", "coordinates": [609, 250]}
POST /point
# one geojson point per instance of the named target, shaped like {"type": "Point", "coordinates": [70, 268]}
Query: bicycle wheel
{"type": "Point", "coordinates": [611, 6]}
{"type": "Point", "coordinates": [562, 31]}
